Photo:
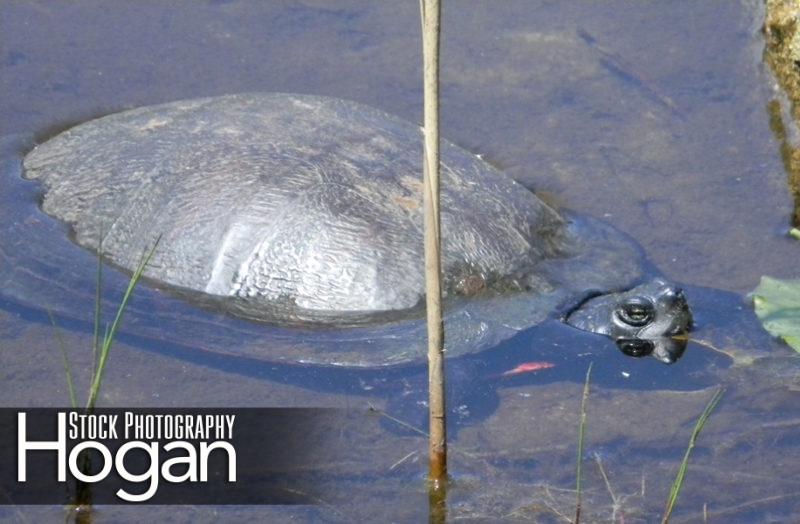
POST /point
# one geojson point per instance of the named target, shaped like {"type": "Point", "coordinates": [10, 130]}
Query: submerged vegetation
{"type": "Point", "coordinates": [581, 438]}
{"type": "Point", "coordinates": [677, 484]}
{"type": "Point", "coordinates": [680, 476]}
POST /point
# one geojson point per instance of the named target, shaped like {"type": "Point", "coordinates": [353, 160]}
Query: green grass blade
{"type": "Point", "coordinates": [581, 437]}
{"type": "Point", "coordinates": [98, 289]}
{"type": "Point", "coordinates": [65, 361]}
{"type": "Point", "coordinates": [108, 340]}
{"type": "Point", "coordinates": [698, 427]}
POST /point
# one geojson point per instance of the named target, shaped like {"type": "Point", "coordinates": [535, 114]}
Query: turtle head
{"type": "Point", "coordinates": [650, 319]}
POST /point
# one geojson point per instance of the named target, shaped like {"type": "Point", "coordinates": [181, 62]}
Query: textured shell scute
{"type": "Point", "coordinates": [305, 213]}
{"type": "Point", "coordinates": [266, 196]}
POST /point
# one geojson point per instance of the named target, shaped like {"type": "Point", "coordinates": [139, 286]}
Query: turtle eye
{"type": "Point", "coordinates": [637, 312]}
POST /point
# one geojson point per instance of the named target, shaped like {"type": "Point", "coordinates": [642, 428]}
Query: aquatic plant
{"type": "Point", "coordinates": [677, 484]}
{"type": "Point", "coordinates": [777, 305]}
{"type": "Point", "coordinates": [101, 348]}
{"type": "Point", "coordinates": [680, 476]}
{"type": "Point", "coordinates": [581, 437]}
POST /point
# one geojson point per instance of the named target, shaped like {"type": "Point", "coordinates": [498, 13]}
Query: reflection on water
{"type": "Point", "coordinates": [650, 116]}
{"type": "Point", "coordinates": [790, 156]}
{"type": "Point", "coordinates": [782, 54]}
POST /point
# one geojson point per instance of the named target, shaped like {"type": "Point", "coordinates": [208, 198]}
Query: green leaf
{"type": "Point", "coordinates": [777, 305]}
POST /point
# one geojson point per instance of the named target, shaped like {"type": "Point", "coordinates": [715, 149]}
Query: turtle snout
{"type": "Point", "coordinates": [674, 295]}
{"type": "Point", "coordinates": [677, 309]}
{"type": "Point", "coordinates": [669, 289]}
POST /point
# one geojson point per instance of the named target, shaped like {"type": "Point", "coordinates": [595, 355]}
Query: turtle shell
{"type": "Point", "coordinates": [291, 229]}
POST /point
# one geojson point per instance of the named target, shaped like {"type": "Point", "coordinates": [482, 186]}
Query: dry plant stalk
{"type": "Point", "coordinates": [430, 11]}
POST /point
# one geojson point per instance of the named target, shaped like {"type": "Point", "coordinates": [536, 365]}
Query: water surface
{"type": "Point", "coordinates": [651, 116]}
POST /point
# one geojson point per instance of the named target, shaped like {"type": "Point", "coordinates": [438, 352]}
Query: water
{"type": "Point", "coordinates": [653, 117]}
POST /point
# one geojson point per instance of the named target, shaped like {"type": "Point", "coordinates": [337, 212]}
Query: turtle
{"type": "Point", "coordinates": [290, 231]}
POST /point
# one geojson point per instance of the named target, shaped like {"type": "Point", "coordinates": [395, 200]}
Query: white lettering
{"type": "Point", "coordinates": [205, 451]}
{"type": "Point", "coordinates": [23, 446]}
{"type": "Point", "coordinates": [151, 474]}
{"type": "Point", "coordinates": [190, 459]}
{"type": "Point", "coordinates": [76, 470]}
{"type": "Point", "coordinates": [229, 420]}
{"type": "Point", "coordinates": [181, 465]}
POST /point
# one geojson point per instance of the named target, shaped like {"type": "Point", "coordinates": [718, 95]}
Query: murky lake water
{"type": "Point", "coordinates": [653, 117]}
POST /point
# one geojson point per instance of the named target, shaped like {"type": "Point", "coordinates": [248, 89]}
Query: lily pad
{"type": "Point", "coordinates": [777, 305]}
